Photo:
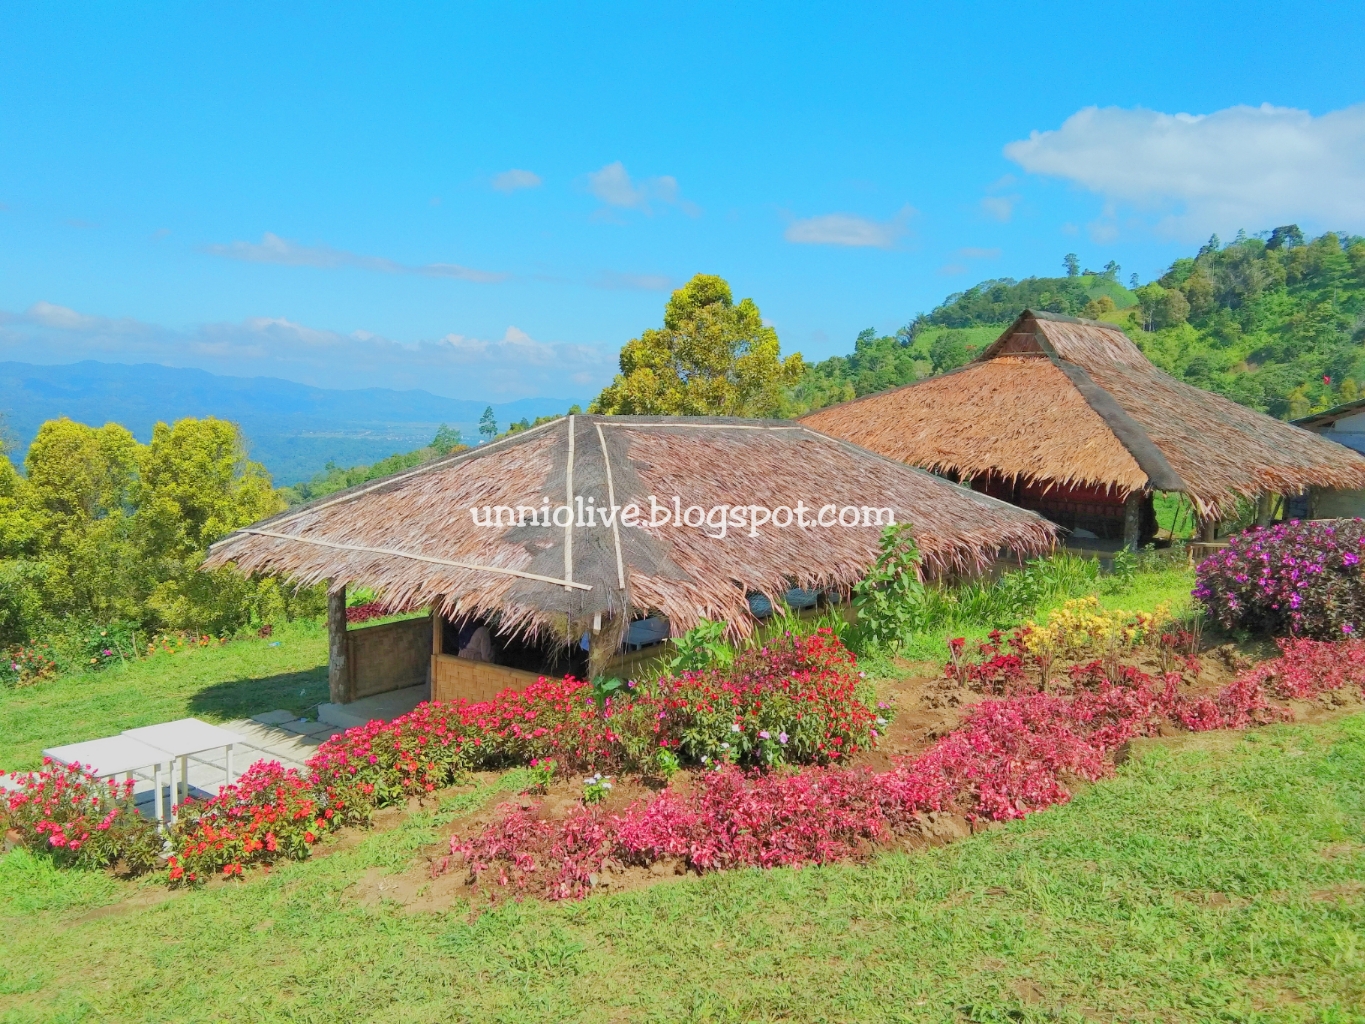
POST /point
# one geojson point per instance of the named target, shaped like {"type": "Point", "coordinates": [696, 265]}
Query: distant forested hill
{"type": "Point", "coordinates": [1276, 322]}
{"type": "Point", "coordinates": [294, 429]}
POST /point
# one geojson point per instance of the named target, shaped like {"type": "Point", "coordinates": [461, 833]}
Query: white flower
{"type": "Point", "coordinates": [725, 746]}
{"type": "Point", "coordinates": [734, 727]}
{"type": "Point", "coordinates": [881, 721]}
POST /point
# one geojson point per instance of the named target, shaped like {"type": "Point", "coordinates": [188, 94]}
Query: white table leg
{"type": "Point", "coordinates": [156, 794]}
{"type": "Point", "coordinates": [185, 776]}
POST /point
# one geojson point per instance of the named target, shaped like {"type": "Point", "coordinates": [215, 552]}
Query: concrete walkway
{"type": "Point", "coordinates": [384, 706]}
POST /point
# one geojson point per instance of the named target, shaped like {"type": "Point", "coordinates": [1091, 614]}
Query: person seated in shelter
{"type": "Point", "coordinates": [475, 643]}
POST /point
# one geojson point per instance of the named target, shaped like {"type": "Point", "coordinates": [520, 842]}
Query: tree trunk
{"type": "Point", "coordinates": [338, 676]}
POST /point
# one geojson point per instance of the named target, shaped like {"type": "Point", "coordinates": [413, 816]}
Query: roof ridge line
{"type": "Point", "coordinates": [1161, 475]}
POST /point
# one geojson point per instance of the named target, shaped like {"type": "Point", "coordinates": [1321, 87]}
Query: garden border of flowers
{"type": "Point", "coordinates": [747, 727]}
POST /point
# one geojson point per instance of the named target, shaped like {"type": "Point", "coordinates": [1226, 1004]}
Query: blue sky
{"type": "Point", "coordinates": [486, 201]}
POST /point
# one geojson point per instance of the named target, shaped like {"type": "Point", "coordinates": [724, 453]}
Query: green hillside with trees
{"type": "Point", "coordinates": [1274, 321]}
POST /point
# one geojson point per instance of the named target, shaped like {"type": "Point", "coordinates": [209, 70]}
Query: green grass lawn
{"type": "Point", "coordinates": [241, 678]}
{"type": "Point", "coordinates": [1148, 591]}
{"type": "Point", "coordinates": [1216, 878]}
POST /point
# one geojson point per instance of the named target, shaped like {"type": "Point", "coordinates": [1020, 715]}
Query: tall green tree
{"type": "Point", "coordinates": [712, 356]}
{"type": "Point", "coordinates": [196, 485]}
{"type": "Point", "coordinates": [488, 424]}
{"type": "Point", "coordinates": [82, 490]}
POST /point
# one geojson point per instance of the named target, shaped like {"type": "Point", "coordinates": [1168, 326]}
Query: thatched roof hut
{"type": "Point", "coordinates": [1062, 406]}
{"type": "Point", "coordinates": [412, 536]}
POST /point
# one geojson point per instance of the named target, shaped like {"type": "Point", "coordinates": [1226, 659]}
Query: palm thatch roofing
{"type": "Point", "coordinates": [1066, 402]}
{"type": "Point", "coordinates": [412, 538]}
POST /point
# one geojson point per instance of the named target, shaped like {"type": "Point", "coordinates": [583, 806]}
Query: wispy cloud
{"type": "Point", "coordinates": [978, 254]}
{"type": "Point", "coordinates": [614, 186]}
{"type": "Point", "coordinates": [510, 181]}
{"type": "Point", "coordinates": [1243, 166]}
{"type": "Point", "coordinates": [514, 365]}
{"type": "Point", "coordinates": [610, 279]}
{"type": "Point", "coordinates": [999, 208]}
{"type": "Point", "coordinates": [847, 229]}
{"type": "Point", "coordinates": [274, 249]}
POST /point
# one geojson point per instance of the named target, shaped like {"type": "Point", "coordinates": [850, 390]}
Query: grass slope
{"type": "Point", "coordinates": [1218, 877]}
{"type": "Point", "coordinates": [217, 684]}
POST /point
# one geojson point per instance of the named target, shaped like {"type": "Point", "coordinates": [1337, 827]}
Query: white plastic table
{"type": "Point", "coordinates": [115, 755]}
{"type": "Point", "coordinates": [184, 737]}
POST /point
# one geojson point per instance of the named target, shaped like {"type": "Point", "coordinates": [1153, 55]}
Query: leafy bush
{"type": "Point", "coordinates": [701, 647]}
{"type": "Point", "coordinates": [1300, 579]}
{"type": "Point", "coordinates": [796, 699]}
{"type": "Point", "coordinates": [890, 599]}
{"type": "Point", "coordinates": [80, 820]}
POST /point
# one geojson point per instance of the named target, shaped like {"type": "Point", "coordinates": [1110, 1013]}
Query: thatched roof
{"type": "Point", "coordinates": [1060, 401]}
{"type": "Point", "coordinates": [411, 538]}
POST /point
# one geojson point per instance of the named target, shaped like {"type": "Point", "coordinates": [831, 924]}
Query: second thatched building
{"type": "Point", "coordinates": [1068, 418]}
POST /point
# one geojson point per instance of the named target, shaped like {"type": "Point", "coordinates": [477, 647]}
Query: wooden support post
{"type": "Point", "coordinates": [604, 645]}
{"type": "Point", "coordinates": [1208, 530]}
{"type": "Point", "coordinates": [1265, 507]}
{"type": "Point", "coordinates": [1132, 520]}
{"type": "Point", "coordinates": [438, 625]}
{"type": "Point", "coordinates": [338, 675]}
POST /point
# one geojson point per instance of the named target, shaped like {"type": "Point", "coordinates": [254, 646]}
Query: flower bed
{"type": "Point", "coordinates": [1009, 757]}
{"type": "Point", "coordinates": [268, 814]}
{"type": "Point", "coordinates": [1301, 579]}
{"type": "Point", "coordinates": [80, 820]}
{"type": "Point", "coordinates": [365, 612]}
{"type": "Point", "coordinates": [799, 699]}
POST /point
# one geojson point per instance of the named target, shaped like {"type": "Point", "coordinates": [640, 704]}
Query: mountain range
{"type": "Point", "coordinates": [293, 429]}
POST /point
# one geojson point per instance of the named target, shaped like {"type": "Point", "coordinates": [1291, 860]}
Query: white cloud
{"type": "Point", "coordinates": [614, 186]}
{"type": "Point", "coordinates": [274, 249]}
{"type": "Point", "coordinates": [510, 181]}
{"type": "Point", "coordinates": [1252, 167]}
{"type": "Point", "coordinates": [952, 269]}
{"type": "Point", "coordinates": [512, 366]}
{"type": "Point", "coordinates": [848, 230]}
{"type": "Point", "coordinates": [979, 254]}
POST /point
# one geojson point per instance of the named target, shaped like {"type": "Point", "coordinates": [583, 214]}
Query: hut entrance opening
{"type": "Point", "coordinates": [1087, 511]}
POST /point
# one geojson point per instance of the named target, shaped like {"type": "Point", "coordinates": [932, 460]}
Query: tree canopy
{"type": "Point", "coordinates": [101, 528]}
{"type": "Point", "coordinates": [712, 357]}
{"type": "Point", "coordinates": [877, 363]}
